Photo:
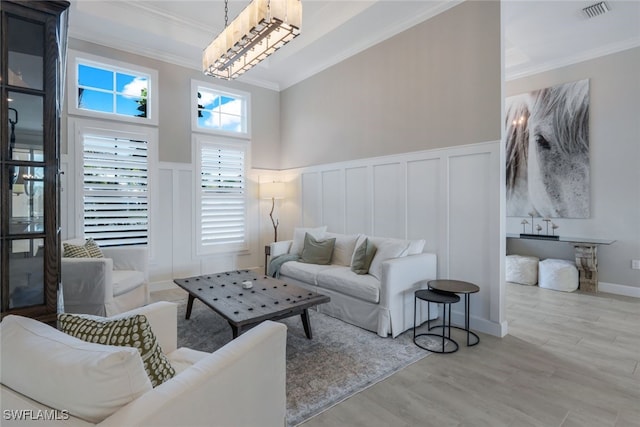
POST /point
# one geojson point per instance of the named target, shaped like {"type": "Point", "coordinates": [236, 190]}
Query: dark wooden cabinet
{"type": "Point", "coordinates": [32, 60]}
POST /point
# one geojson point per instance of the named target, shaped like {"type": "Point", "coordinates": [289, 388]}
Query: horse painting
{"type": "Point", "coordinates": [547, 152]}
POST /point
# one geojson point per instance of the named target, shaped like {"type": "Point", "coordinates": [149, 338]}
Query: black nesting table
{"type": "Point", "coordinates": [438, 298]}
{"type": "Point", "coordinates": [447, 286]}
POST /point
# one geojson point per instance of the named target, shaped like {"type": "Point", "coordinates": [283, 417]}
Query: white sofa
{"type": "Point", "coordinates": [106, 286]}
{"type": "Point", "coordinates": [241, 384]}
{"type": "Point", "coordinates": [381, 301]}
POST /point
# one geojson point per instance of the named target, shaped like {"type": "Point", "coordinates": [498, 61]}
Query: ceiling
{"type": "Point", "coordinates": [538, 35]}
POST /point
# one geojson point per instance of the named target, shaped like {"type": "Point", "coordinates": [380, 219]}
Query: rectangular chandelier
{"type": "Point", "coordinates": [263, 27]}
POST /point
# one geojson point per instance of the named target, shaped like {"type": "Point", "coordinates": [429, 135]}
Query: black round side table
{"type": "Point", "coordinates": [439, 298]}
{"type": "Point", "coordinates": [453, 287]}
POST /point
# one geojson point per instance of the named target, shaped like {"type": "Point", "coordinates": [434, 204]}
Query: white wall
{"type": "Point", "coordinates": [449, 197]}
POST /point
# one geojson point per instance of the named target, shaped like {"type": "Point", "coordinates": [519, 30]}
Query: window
{"type": "Point", "coordinates": [115, 190]}
{"type": "Point", "coordinates": [222, 194]}
{"type": "Point", "coordinates": [109, 89]}
{"type": "Point", "coordinates": [219, 110]}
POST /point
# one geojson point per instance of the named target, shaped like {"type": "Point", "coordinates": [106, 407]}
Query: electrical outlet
{"type": "Point", "coordinates": [635, 264]}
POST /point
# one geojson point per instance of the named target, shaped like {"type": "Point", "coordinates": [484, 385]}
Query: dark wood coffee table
{"type": "Point", "coordinates": [268, 299]}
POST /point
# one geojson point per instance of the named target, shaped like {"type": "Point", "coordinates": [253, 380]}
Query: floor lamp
{"type": "Point", "coordinates": [273, 191]}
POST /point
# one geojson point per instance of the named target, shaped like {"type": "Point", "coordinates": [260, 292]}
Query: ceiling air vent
{"type": "Point", "coordinates": [596, 9]}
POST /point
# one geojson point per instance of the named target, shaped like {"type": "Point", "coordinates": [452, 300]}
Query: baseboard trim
{"type": "Point", "coordinates": [481, 325]}
{"type": "Point", "coordinates": [613, 288]}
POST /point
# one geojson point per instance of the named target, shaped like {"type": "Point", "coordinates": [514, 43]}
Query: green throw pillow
{"type": "Point", "coordinates": [362, 257]}
{"type": "Point", "coordinates": [89, 250]}
{"type": "Point", "coordinates": [133, 331]}
{"type": "Point", "coordinates": [317, 251]}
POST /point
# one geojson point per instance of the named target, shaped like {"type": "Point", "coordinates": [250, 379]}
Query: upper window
{"type": "Point", "coordinates": [219, 110]}
{"type": "Point", "coordinates": [109, 89]}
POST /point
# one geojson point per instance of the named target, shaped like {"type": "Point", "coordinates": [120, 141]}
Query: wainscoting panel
{"type": "Point", "coordinates": [357, 200]}
{"type": "Point", "coordinates": [333, 213]}
{"type": "Point", "coordinates": [389, 191]}
{"type": "Point", "coordinates": [449, 197]}
{"type": "Point", "coordinates": [423, 198]}
{"type": "Point", "coordinates": [310, 199]}
{"type": "Point", "coordinates": [469, 224]}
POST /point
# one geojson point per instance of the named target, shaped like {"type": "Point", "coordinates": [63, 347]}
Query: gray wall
{"type": "Point", "coordinates": [614, 123]}
{"type": "Point", "coordinates": [175, 108]}
{"type": "Point", "coordinates": [435, 85]}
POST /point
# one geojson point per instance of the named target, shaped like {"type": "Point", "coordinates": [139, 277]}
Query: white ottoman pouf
{"type": "Point", "coordinates": [558, 274]}
{"type": "Point", "coordinates": [522, 269]}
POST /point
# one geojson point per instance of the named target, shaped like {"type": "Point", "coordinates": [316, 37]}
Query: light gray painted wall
{"type": "Point", "coordinates": [435, 85]}
{"type": "Point", "coordinates": [175, 108]}
{"type": "Point", "coordinates": [614, 138]}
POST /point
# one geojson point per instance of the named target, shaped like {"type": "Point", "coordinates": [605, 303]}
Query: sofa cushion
{"type": "Point", "coordinates": [88, 250]}
{"type": "Point", "coordinates": [183, 358]}
{"type": "Point", "coordinates": [89, 380]}
{"type": "Point", "coordinates": [306, 273]}
{"type": "Point", "coordinates": [317, 251]}
{"type": "Point", "coordinates": [298, 238]}
{"type": "Point", "coordinates": [125, 280]}
{"type": "Point", "coordinates": [344, 247]}
{"type": "Point", "coordinates": [387, 249]}
{"type": "Point", "coordinates": [133, 331]}
{"type": "Point", "coordinates": [345, 281]}
{"type": "Point", "coordinates": [362, 257]}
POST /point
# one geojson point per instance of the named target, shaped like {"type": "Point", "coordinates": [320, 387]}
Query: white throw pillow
{"type": "Point", "coordinates": [298, 238]}
{"type": "Point", "coordinates": [343, 248]}
{"type": "Point", "coordinates": [91, 381]}
{"type": "Point", "coordinates": [387, 249]}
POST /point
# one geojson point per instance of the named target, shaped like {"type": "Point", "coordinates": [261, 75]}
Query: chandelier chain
{"type": "Point", "coordinates": [226, 13]}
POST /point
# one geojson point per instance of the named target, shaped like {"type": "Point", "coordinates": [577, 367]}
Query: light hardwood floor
{"type": "Point", "coordinates": [569, 360]}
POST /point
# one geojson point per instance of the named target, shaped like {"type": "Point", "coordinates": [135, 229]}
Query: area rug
{"type": "Point", "coordinates": [338, 362]}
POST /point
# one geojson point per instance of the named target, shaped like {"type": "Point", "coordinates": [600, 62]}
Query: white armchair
{"type": "Point", "coordinates": [106, 286]}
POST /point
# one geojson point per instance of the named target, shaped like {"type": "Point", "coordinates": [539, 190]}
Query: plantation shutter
{"type": "Point", "coordinates": [115, 190]}
{"type": "Point", "coordinates": [223, 207]}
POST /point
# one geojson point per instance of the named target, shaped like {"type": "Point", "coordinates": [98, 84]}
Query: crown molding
{"type": "Point", "coordinates": [564, 62]}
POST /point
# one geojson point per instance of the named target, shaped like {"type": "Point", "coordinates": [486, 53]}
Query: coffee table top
{"type": "Point", "coordinates": [454, 286]}
{"type": "Point", "coordinates": [268, 299]}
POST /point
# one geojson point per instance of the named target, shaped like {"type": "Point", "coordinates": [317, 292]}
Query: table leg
{"type": "Point", "coordinates": [189, 306]}
{"type": "Point", "coordinates": [587, 263]}
{"type": "Point", "coordinates": [306, 323]}
{"type": "Point", "coordinates": [235, 331]}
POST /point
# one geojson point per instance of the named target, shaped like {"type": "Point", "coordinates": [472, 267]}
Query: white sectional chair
{"type": "Point", "coordinates": [47, 372]}
{"type": "Point", "coordinates": [106, 286]}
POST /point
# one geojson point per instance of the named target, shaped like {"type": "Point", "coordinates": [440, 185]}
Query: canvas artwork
{"type": "Point", "coordinates": [547, 151]}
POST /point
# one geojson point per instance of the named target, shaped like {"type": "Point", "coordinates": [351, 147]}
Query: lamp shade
{"type": "Point", "coordinates": [272, 190]}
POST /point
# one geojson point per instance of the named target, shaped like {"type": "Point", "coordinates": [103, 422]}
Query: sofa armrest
{"type": "Point", "coordinates": [129, 258]}
{"type": "Point", "coordinates": [401, 274]}
{"type": "Point", "coordinates": [280, 248]}
{"type": "Point", "coordinates": [87, 280]}
{"type": "Point", "coordinates": [163, 318]}
{"type": "Point", "coordinates": [241, 384]}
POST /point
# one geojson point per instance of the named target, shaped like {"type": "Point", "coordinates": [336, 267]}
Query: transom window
{"type": "Point", "coordinates": [219, 110]}
{"type": "Point", "coordinates": [103, 88]}
{"type": "Point", "coordinates": [110, 91]}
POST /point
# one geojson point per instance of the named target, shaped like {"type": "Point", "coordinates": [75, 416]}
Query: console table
{"type": "Point", "coordinates": [586, 253]}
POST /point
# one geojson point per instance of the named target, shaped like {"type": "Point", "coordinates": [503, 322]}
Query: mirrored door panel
{"type": "Point", "coordinates": [25, 45]}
